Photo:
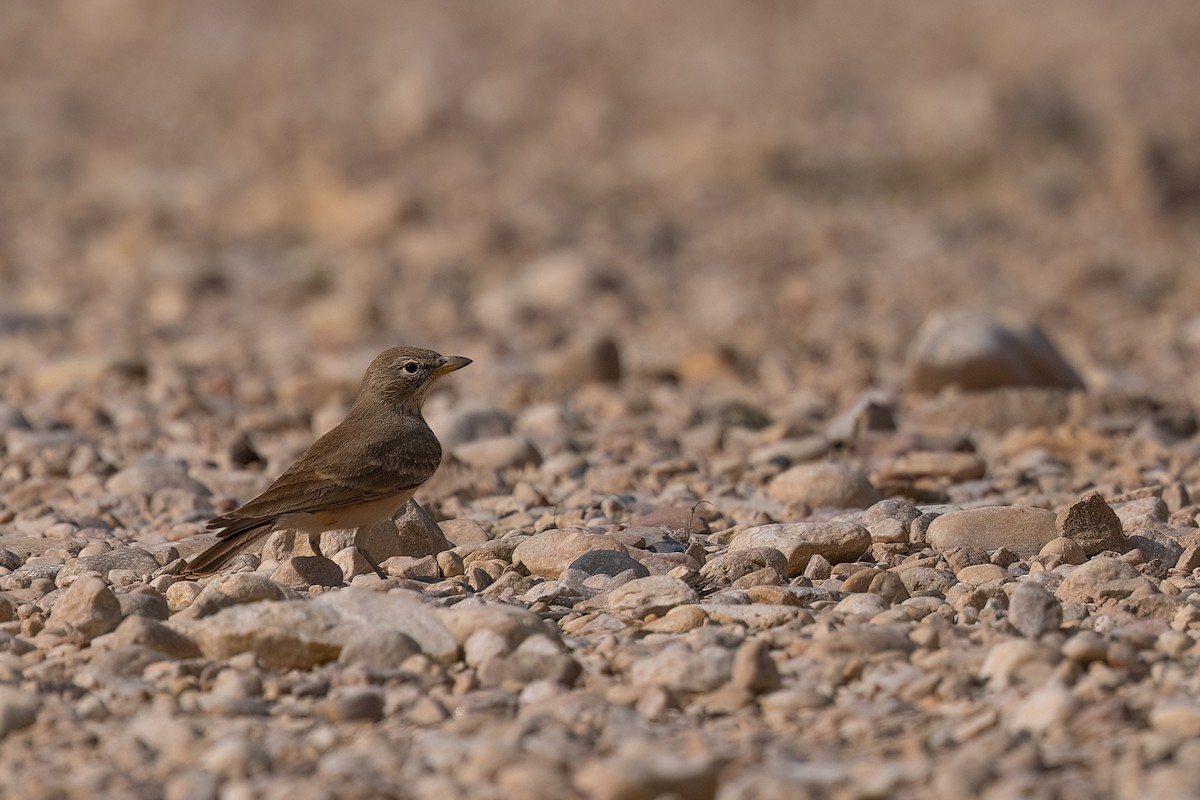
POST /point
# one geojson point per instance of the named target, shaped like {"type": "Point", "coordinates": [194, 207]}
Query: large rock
{"type": "Point", "coordinates": [974, 351]}
{"type": "Point", "coordinates": [1099, 579]}
{"type": "Point", "coordinates": [800, 541]}
{"type": "Point", "coordinates": [550, 552]}
{"type": "Point", "coordinates": [301, 634]}
{"type": "Point", "coordinates": [1093, 525]}
{"type": "Point", "coordinates": [823, 486]}
{"type": "Point", "coordinates": [1021, 529]}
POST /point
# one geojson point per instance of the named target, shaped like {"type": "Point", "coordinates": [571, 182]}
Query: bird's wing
{"type": "Point", "coordinates": [356, 465]}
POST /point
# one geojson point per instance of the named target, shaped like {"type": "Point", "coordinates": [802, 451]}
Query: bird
{"type": "Point", "coordinates": [361, 472]}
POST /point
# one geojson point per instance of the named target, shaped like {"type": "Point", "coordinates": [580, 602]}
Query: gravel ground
{"type": "Point", "coordinates": [830, 432]}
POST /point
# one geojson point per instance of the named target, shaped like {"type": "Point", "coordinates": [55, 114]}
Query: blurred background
{"type": "Point", "coordinates": [765, 195]}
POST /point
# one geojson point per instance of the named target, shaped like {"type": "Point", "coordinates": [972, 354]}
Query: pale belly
{"type": "Point", "coordinates": [355, 516]}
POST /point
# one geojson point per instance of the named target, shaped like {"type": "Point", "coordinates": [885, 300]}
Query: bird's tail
{"type": "Point", "coordinates": [220, 552]}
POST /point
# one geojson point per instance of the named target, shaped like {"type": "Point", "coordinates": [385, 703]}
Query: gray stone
{"type": "Point", "coordinates": [1157, 544]}
{"type": "Point", "coordinates": [1023, 530]}
{"type": "Point", "coordinates": [823, 486]}
{"type": "Point", "coordinates": [800, 541]}
{"type": "Point", "coordinates": [144, 602]}
{"type": "Point", "coordinates": [1032, 610]}
{"type": "Point", "coordinates": [608, 562]}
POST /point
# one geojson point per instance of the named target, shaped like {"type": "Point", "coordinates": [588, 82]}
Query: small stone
{"type": "Point", "coordinates": [823, 486]}
{"type": "Point", "coordinates": [450, 564]}
{"type": "Point", "coordinates": [412, 568]}
{"type": "Point", "coordinates": [1032, 610]}
{"type": "Point", "coordinates": [800, 541]}
{"type": "Point", "coordinates": [1023, 530]}
{"type": "Point", "coordinates": [1041, 710]}
{"type": "Point", "coordinates": [145, 602]}
{"type": "Point", "coordinates": [679, 619]}
{"type": "Point", "coordinates": [979, 574]}
{"type": "Point", "coordinates": [153, 473]}
{"type": "Point", "coordinates": [1093, 524]}
{"type": "Point", "coordinates": [818, 568]}
{"type": "Point", "coordinates": [378, 650]}
{"type": "Point", "coordinates": [153, 634]}
{"type": "Point", "coordinates": [1066, 550]}
{"type": "Point", "coordinates": [653, 595]}
{"type": "Point", "coordinates": [725, 568]}
{"type": "Point", "coordinates": [88, 607]}
{"type": "Point", "coordinates": [354, 703]}
{"type": "Point", "coordinates": [677, 667]}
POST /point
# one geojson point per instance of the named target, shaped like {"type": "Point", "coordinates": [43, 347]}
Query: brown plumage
{"type": "Point", "coordinates": [362, 471]}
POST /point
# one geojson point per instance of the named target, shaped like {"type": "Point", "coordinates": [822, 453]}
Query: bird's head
{"type": "Point", "coordinates": [401, 376]}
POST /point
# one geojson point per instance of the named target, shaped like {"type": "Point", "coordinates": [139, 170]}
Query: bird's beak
{"type": "Point", "coordinates": [450, 364]}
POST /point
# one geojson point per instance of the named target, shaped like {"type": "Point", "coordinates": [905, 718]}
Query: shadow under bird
{"type": "Point", "coordinates": [361, 472]}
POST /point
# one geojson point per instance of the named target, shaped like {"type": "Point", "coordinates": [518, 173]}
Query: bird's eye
{"type": "Point", "coordinates": [410, 368]}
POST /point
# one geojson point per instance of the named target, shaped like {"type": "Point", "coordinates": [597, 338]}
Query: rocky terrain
{"type": "Point", "coordinates": [831, 431]}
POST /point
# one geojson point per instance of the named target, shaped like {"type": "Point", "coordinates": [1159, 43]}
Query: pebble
{"type": "Point", "coordinates": [800, 541]}
{"type": "Point", "coordinates": [823, 486]}
{"type": "Point", "coordinates": [550, 552]}
{"type": "Point", "coordinates": [1023, 530]}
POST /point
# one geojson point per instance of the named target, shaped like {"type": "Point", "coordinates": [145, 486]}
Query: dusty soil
{"type": "Point", "coordinates": [691, 249]}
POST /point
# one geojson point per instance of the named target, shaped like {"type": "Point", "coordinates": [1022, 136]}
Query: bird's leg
{"type": "Point", "coordinates": [378, 570]}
